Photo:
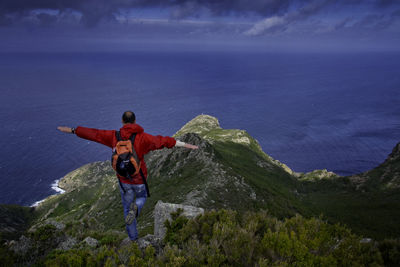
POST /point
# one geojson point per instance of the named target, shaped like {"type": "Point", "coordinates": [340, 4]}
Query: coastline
{"type": "Point", "coordinates": [55, 187]}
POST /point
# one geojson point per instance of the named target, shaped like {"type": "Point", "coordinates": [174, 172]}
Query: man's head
{"type": "Point", "coordinates": [128, 117]}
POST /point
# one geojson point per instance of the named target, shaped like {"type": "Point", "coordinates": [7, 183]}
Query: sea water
{"type": "Point", "coordinates": [310, 111]}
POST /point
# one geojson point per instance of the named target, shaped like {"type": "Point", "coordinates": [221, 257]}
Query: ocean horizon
{"type": "Point", "coordinates": [310, 111]}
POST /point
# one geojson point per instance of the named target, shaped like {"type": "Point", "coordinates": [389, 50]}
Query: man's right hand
{"type": "Point", "coordinates": [64, 129]}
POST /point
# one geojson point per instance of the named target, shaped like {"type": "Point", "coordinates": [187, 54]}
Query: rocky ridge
{"type": "Point", "coordinates": [208, 128]}
{"type": "Point", "coordinates": [384, 177]}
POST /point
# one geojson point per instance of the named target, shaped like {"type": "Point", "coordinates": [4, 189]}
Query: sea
{"type": "Point", "coordinates": [334, 111]}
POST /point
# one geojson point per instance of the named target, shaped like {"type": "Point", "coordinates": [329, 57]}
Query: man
{"type": "Point", "coordinates": [133, 190]}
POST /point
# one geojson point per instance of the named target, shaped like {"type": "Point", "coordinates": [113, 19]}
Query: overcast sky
{"type": "Point", "coordinates": [271, 25]}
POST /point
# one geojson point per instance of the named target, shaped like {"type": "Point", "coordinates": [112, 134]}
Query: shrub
{"type": "Point", "coordinates": [226, 238]}
{"type": "Point", "coordinates": [44, 233]}
{"type": "Point", "coordinates": [75, 257]}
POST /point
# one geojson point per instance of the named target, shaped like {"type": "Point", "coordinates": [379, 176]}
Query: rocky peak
{"type": "Point", "coordinates": [200, 124]}
{"type": "Point", "coordinates": [208, 128]}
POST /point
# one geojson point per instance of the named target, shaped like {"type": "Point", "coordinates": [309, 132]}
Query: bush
{"type": "Point", "coordinates": [227, 238]}
{"type": "Point", "coordinates": [44, 233]}
{"type": "Point", "coordinates": [75, 257]}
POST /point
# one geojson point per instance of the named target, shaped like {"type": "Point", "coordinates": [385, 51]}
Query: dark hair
{"type": "Point", "coordinates": [128, 117]}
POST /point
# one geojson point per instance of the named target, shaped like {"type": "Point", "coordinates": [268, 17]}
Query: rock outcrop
{"type": "Point", "coordinates": [22, 246]}
{"type": "Point", "coordinates": [162, 212]}
{"type": "Point", "coordinates": [384, 177]}
{"type": "Point", "coordinates": [91, 242]}
{"type": "Point", "coordinates": [317, 175]}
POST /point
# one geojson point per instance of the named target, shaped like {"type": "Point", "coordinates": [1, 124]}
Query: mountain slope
{"type": "Point", "coordinates": [230, 170]}
{"type": "Point", "coordinates": [368, 202]}
{"type": "Point", "coordinates": [226, 172]}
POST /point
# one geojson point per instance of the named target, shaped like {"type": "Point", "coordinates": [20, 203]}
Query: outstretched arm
{"type": "Point", "coordinates": [104, 137]}
{"type": "Point", "coordinates": [158, 142]}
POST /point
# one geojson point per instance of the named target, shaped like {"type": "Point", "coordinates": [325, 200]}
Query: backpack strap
{"type": "Point", "coordinates": [118, 135]}
{"type": "Point", "coordinates": [132, 138]}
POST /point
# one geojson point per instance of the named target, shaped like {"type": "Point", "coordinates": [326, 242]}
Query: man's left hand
{"type": "Point", "coordinates": [191, 146]}
{"type": "Point", "coordinates": [64, 129]}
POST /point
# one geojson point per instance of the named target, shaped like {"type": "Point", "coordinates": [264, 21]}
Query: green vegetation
{"type": "Point", "coordinates": [95, 196]}
{"type": "Point", "coordinates": [272, 185]}
{"type": "Point", "coordinates": [226, 238]}
{"type": "Point", "coordinates": [366, 210]}
{"type": "Point", "coordinates": [229, 173]}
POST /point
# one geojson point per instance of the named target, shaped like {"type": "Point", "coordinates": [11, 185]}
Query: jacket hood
{"type": "Point", "coordinates": [128, 129]}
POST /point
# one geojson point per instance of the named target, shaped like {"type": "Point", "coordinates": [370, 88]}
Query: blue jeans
{"type": "Point", "coordinates": [130, 193]}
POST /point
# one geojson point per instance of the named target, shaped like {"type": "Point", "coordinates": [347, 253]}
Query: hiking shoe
{"type": "Point", "coordinates": [132, 214]}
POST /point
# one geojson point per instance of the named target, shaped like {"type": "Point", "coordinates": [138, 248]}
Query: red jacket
{"type": "Point", "coordinates": [144, 143]}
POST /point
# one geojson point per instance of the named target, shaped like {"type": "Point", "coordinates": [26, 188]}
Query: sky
{"type": "Point", "coordinates": [270, 25]}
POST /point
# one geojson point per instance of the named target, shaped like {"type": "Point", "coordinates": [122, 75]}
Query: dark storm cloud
{"type": "Point", "coordinates": [93, 11]}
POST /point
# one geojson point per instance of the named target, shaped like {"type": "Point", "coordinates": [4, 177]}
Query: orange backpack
{"type": "Point", "coordinates": [125, 160]}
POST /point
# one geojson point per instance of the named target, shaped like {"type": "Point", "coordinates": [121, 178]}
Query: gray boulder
{"type": "Point", "coordinates": [22, 246]}
{"type": "Point", "coordinates": [58, 225]}
{"type": "Point", "coordinates": [91, 242]}
{"type": "Point", "coordinates": [67, 244]}
{"type": "Point", "coordinates": [150, 240]}
{"type": "Point", "coordinates": [162, 212]}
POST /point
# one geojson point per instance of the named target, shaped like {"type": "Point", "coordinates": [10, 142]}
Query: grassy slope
{"type": "Point", "coordinates": [226, 174]}
{"type": "Point", "coordinates": [274, 186]}
{"type": "Point", "coordinates": [99, 199]}
{"type": "Point", "coordinates": [370, 207]}
{"type": "Point", "coordinates": [374, 215]}
{"type": "Point", "coordinates": [371, 212]}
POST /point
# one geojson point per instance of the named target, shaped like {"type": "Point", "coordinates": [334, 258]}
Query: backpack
{"type": "Point", "coordinates": [125, 160]}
